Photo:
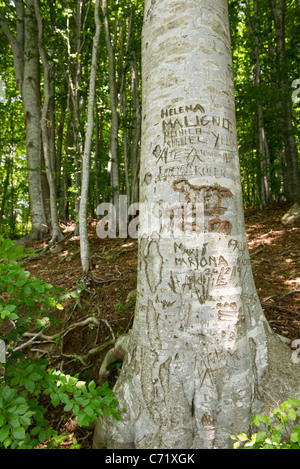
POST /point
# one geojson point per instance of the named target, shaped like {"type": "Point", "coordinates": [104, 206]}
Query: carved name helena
{"type": "Point", "coordinates": [181, 110]}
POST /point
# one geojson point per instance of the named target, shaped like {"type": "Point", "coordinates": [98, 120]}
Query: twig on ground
{"type": "Point", "coordinates": [279, 308]}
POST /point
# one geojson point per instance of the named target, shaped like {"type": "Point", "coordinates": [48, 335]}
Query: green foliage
{"type": "Point", "coordinates": [28, 387]}
{"type": "Point", "coordinates": [22, 415]}
{"type": "Point", "coordinates": [25, 300]}
{"type": "Point", "coordinates": [279, 429]}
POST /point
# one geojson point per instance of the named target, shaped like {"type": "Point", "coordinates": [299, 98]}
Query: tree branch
{"type": "Point", "coordinates": [17, 52]}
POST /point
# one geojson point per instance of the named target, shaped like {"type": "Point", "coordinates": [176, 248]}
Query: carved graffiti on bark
{"type": "Point", "coordinates": [211, 197]}
{"type": "Point", "coordinates": [154, 263]}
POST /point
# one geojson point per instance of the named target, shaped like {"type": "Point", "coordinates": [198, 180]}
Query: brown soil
{"type": "Point", "coordinates": [274, 250]}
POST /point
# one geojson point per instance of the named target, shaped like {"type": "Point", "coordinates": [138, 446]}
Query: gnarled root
{"type": "Point", "coordinates": [117, 353]}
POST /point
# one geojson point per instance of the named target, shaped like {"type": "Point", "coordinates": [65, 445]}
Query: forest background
{"type": "Point", "coordinates": [59, 45]}
{"type": "Point", "coordinates": [70, 120]}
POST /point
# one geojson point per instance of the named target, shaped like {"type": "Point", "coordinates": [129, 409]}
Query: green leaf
{"type": "Point", "coordinates": [4, 432]}
{"type": "Point", "coordinates": [83, 419]}
{"type": "Point", "coordinates": [107, 412]}
{"type": "Point", "coordinates": [21, 409]}
{"type": "Point", "coordinates": [14, 421]}
{"type": "Point", "coordinates": [293, 402]}
{"type": "Point", "coordinates": [260, 437]}
{"type": "Point", "coordinates": [2, 420]}
{"type": "Point", "coordinates": [294, 437]}
{"type": "Point", "coordinates": [13, 316]}
{"type": "Point", "coordinates": [64, 398]}
{"type": "Point", "coordinates": [35, 431]}
{"type": "Point", "coordinates": [292, 414]}
{"type": "Point", "coordinates": [29, 385]}
{"type": "Point", "coordinates": [258, 419]}
{"type": "Point", "coordinates": [80, 400]}
{"type": "Point", "coordinates": [39, 287]}
{"type": "Point", "coordinates": [18, 433]}
{"type": "Point", "coordinates": [54, 399]}
{"type": "Point", "coordinates": [42, 436]}
{"type": "Point", "coordinates": [276, 436]}
{"type": "Point", "coordinates": [68, 406]}
{"type": "Point", "coordinates": [7, 393]}
{"type": "Point", "coordinates": [7, 442]}
{"type": "Point", "coordinates": [92, 386]}
{"type": "Point", "coordinates": [35, 376]}
{"type": "Point", "coordinates": [27, 290]}
{"type": "Point", "coordinates": [268, 446]}
{"type": "Point", "coordinates": [89, 411]}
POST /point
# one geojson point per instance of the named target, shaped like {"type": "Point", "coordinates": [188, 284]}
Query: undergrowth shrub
{"type": "Point", "coordinates": [278, 429]}
{"type": "Point", "coordinates": [26, 385]}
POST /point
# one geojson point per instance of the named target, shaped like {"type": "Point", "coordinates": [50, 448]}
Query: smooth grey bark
{"type": "Point", "coordinates": [262, 143]}
{"type": "Point", "coordinates": [289, 151]}
{"type": "Point", "coordinates": [200, 358]}
{"type": "Point", "coordinates": [27, 70]}
{"type": "Point", "coordinates": [134, 160]}
{"type": "Point", "coordinates": [113, 103]}
{"type": "Point", "coordinates": [122, 98]}
{"type": "Point", "coordinates": [73, 75]}
{"type": "Point", "coordinates": [49, 160]}
{"type": "Point", "coordinates": [86, 160]}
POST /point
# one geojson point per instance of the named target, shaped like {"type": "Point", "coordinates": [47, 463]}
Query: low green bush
{"type": "Point", "coordinates": [27, 387]}
{"type": "Point", "coordinates": [279, 430]}
{"type": "Point", "coordinates": [22, 414]}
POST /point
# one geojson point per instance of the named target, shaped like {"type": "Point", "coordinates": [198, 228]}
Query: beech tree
{"type": "Point", "coordinates": [86, 163]}
{"type": "Point", "coordinates": [48, 155]}
{"type": "Point", "coordinates": [22, 38]}
{"type": "Point", "coordinates": [288, 148]}
{"type": "Point", "coordinates": [200, 358]}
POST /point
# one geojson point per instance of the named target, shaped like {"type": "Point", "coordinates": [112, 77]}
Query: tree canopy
{"type": "Point", "coordinates": [265, 46]}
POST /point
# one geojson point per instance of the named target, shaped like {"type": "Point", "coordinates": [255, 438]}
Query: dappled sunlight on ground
{"type": "Point", "coordinates": [275, 258]}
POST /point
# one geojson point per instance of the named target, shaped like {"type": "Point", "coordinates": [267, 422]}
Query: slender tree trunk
{"type": "Point", "coordinates": [122, 100]}
{"type": "Point", "coordinates": [86, 163]}
{"type": "Point", "coordinates": [5, 184]}
{"type": "Point", "coordinates": [200, 354]}
{"type": "Point", "coordinates": [262, 143]}
{"type": "Point", "coordinates": [32, 111]}
{"type": "Point", "coordinates": [73, 73]}
{"type": "Point", "coordinates": [56, 230]}
{"type": "Point", "coordinates": [136, 128]}
{"type": "Point", "coordinates": [98, 152]}
{"type": "Point", "coordinates": [113, 102]}
{"type": "Point", "coordinates": [27, 71]}
{"type": "Point", "coordinates": [289, 152]}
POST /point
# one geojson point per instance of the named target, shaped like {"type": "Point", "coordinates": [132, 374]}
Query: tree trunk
{"type": "Point", "coordinates": [289, 151]}
{"type": "Point", "coordinates": [86, 163]}
{"type": "Point", "coordinates": [50, 170]}
{"type": "Point", "coordinates": [136, 128]}
{"type": "Point", "coordinates": [113, 102]}
{"type": "Point", "coordinates": [5, 183]}
{"type": "Point", "coordinates": [201, 357]}
{"type": "Point", "coordinates": [122, 100]}
{"type": "Point", "coordinates": [262, 143]}
{"type": "Point", "coordinates": [74, 76]}
{"type": "Point", "coordinates": [26, 65]}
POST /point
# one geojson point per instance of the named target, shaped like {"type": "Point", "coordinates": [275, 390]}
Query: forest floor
{"type": "Point", "coordinates": [275, 257]}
